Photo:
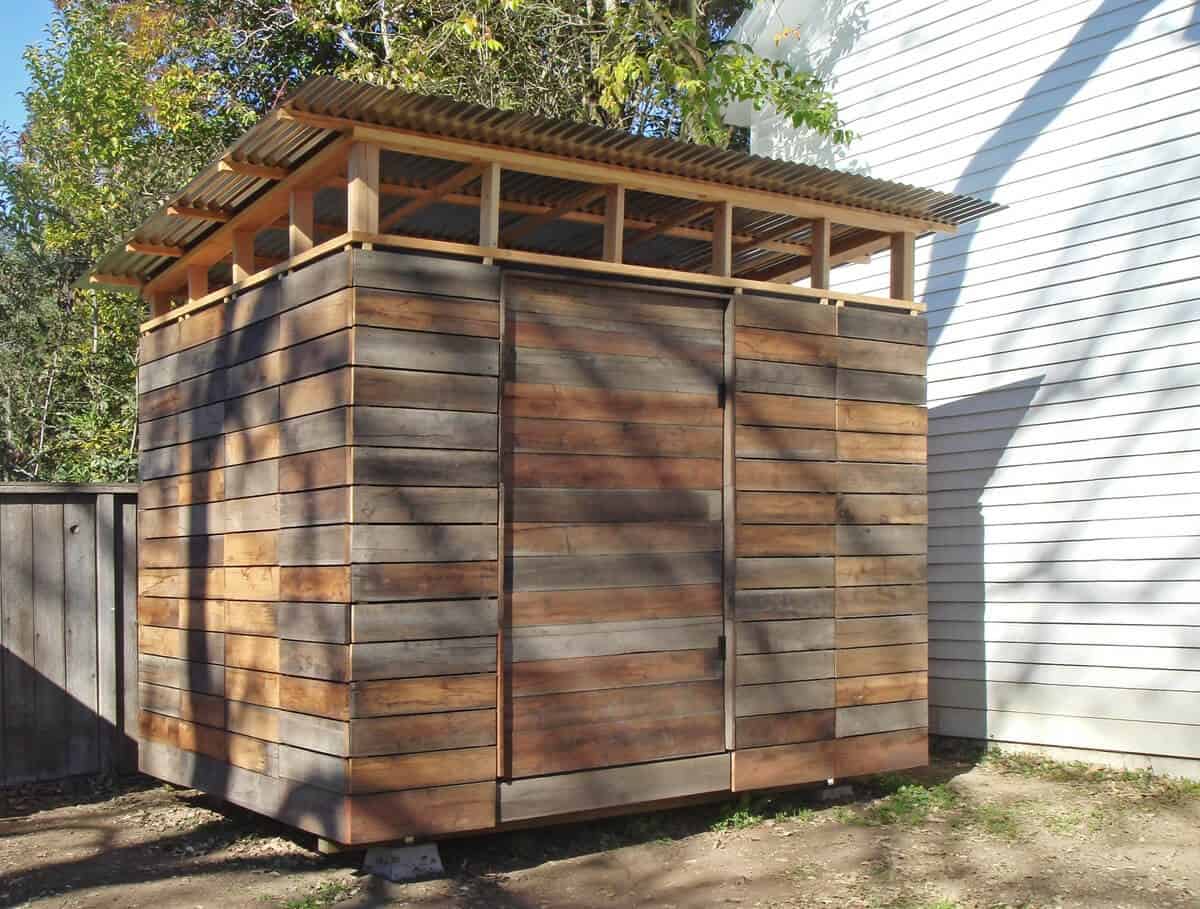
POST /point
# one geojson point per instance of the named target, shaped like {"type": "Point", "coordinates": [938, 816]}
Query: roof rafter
{"type": "Point", "coordinates": [267, 208]}
{"type": "Point", "coordinates": [411, 142]}
{"type": "Point", "coordinates": [425, 198]}
{"type": "Point", "coordinates": [553, 213]}
{"type": "Point", "coordinates": [246, 169]}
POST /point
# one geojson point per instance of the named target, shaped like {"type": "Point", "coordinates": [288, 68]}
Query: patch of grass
{"type": "Point", "coordinates": [751, 811]}
{"type": "Point", "coordinates": [997, 820]}
{"type": "Point", "coordinates": [908, 805]}
{"type": "Point", "coordinates": [1065, 822]}
{"type": "Point", "coordinates": [738, 816]}
{"type": "Point", "coordinates": [1140, 785]}
{"type": "Point", "coordinates": [325, 895]}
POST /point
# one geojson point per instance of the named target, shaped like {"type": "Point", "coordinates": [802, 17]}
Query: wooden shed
{"type": "Point", "coordinates": [493, 471]}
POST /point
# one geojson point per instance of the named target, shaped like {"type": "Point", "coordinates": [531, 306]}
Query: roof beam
{"type": "Point", "coordinates": [154, 249]}
{"type": "Point", "coordinates": [216, 215]}
{"type": "Point", "coordinates": [649, 228]}
{"type": "Point", "coordinates": [266, 209]}
{"type": "Point", "coordinates": [689, 214]}
{"type": "Point", "coordinates": [788, 270]}
{"type": "Point", "coordinates": [417, 143]}
{"type": "Point", "coordinates": [114, 280]}
{"type": "Point", "coordinates": [246, 169]}
{"type": "Point", "coordinates": [427, 197]}
{"type": "Point", "coordinates": [569, 204]}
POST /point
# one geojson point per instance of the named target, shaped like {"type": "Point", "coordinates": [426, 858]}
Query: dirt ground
{"type": "Point", "coordinates": [973, 831]}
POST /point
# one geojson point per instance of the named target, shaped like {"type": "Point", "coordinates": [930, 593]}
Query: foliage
{"type": "Point", "coordinates": [129, 98]}
{"type": "Point", "coordinates": [120, 110]}
{"type": "Point", "coordinates": [909, 804]}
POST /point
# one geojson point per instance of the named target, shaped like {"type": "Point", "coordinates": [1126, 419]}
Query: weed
{"type": "Point", "coordinates": [800, 814]}
{"type": "Point", "coordinates": [327, 894]}
{"type": "Point", "coordinates": [844, 814]}
{"type": "Point", "coordinates": [738, 816]}
{"type": "Point", "coordinates": [910, 804]}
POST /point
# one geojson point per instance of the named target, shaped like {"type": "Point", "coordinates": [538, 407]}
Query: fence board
{"type": "Point", "coordinates": [68, 589]}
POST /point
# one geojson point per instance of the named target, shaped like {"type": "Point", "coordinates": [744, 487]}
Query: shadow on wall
{"type": "Point", "coordinates": [958, 666]}
{"type": "Point", "coordinates": [1103, 31]}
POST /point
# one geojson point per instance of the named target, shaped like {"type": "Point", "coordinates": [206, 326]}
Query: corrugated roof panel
{"type": "Point", "coordinates": [280, 142]}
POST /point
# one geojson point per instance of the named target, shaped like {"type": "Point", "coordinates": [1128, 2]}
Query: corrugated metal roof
{"type": "Point", "coordinates": [284, 143]}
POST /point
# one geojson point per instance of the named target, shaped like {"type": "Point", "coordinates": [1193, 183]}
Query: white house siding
{"type": "Point", "coordinates": [1064, 369]}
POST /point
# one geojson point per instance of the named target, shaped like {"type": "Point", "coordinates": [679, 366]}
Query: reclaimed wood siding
{"type": "Point", "coordinates": [613, 446]}
{"type": "Point", "coordinates": [830, 597]}
{"type": "Point", "coordinates": [1063, 352]}
{"type": "Point", "coordinates": [65, 614]}
{"type": "Point", "coordinates": [424, 547]}
{"type": "Point", "coordinates": [425, 550]}
{"type": "Point", "coordinates": [244, 567]}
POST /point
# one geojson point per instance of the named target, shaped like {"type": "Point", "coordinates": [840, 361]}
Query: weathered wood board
{"type": "Point", "coordinates": [436, 548]}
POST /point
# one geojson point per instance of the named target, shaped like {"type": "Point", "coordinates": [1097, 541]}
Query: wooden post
{"type": "Point", "coordinates": [722, 241]}
{"type": "Point", "coordinates": [301, 226]}
{"type": "Point", "coordinates": [819, 270]}
{"type": "Point", "coordinates": [160, 302]}
{"type": "Point", "coordinates": [489, 207]}
{"type": "Point", "coordinates": [903, 265]}
{"type": "Point", "coordinates": [243, 255]}
{"type": "Point", "coordinates": [362, 192]}
{"type": "Point", "coordinates": [197, 282]}
{"type": "Point", "coordinates": [614, 224]}
{"type": "Point", "coordinates": [729, 519]}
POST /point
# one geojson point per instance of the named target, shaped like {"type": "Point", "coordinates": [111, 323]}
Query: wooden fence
{"type": "Point", "coordinates": [68, 638]}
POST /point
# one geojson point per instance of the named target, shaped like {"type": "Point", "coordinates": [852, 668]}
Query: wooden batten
{"type": "Point", "coordinates": [362, 190]}
{"type": "Point", "coordinates": [614, 224]}
{"type": "Point", "coordinates": [302, 232]}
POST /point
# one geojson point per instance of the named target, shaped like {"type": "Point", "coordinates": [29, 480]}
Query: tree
{"type": "Point", "coordinates": [129, 98]}
{"type": "Point", "coordinates": [647, 66]}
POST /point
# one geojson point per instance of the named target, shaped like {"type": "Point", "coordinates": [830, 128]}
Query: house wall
{"type": "Point", "coordinates": [1063, 365]}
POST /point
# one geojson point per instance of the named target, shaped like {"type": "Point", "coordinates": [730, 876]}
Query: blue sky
{"type": "Point", "coordinates": [21, 22]}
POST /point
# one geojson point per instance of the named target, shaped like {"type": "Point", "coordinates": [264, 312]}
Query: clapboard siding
{"type": "Point", "coordinates": [1063, 503]}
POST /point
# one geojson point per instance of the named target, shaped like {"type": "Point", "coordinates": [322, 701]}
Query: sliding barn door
{"type": "Point", "coordinates": [612, 429]}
